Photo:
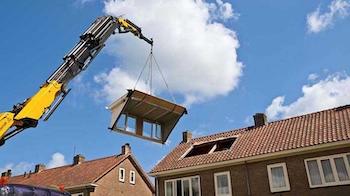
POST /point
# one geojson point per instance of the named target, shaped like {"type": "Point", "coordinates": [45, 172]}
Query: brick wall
{"type": "Point", "coordinates": [109, 185]}
{"type": "Point", "coordinates": [258, 178]}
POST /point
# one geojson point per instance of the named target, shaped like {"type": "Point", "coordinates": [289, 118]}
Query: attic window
{"type": "Point", "coordinates": [121, 174]}
{"type": "Point", "coordinates": [210, 147]}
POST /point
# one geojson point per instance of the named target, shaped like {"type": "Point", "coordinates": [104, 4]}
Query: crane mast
{"type": "Point", "coordinates": [54, 90]}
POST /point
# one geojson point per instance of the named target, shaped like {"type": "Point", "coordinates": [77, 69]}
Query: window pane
{"type": "Point", "coordinates": [147, 129]}
{"type": "Point", "coordinates": [186, 187]}
{"type": "Point", "coordinates": [132, 177]}
{"type": "Point", "coordinates": [121, 122]}
{"type": "Point", "coordinates": [224, 144]}
{"type": "Point", "coordinates": [341, 169]}
{"type": "Point", "coordinates": [315, 176]}
{"type": "Point", "coordinates": [121, 174]}
{"type": "Point", "coordinates": [178, 188]}
{"type": "Point", "coordinates": [222, 183]}
{"type": "Point", "coordinates": [348, 159]}
{"type": "Point", "coordinates": [195, 186]}
{"type": "Point", "coordinates": [169, 189]}
{"type": "Point", "coordinates": [277, 177]}
{"type": "Point", "coordinates": [158, 131]}
{"type": "Point", "coordinates": [327, 170]}
{"type": "Point", "coordinates": [131, 124]}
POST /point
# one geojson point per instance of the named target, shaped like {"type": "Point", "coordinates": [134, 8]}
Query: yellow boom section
{"type": "Point", "coordinates": [6, 122]}
{"type": "Point", "coordinates": [37, 105]}
{"type": "Point", "coordinates": [33, 109]}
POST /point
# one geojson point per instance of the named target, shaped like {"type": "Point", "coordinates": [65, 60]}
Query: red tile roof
{"type": "Point", "coordinates": [85, 173]}
{"type": "Point", "coordinates": [317, 128]}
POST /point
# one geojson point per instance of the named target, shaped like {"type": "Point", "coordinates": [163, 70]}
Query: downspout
{"type": "Point", "coordinates": [247, 179]}
{"type": "Point", "coordinates": [156, 187]}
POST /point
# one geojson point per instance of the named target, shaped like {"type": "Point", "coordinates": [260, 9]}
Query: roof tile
{"type": "Point", "coordinates": [322, 127]}
{"type": "Point", "coordinates": [70, 175]}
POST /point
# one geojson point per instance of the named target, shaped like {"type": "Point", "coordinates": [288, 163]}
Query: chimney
{"type": "Point", "coordinates": [260, 119]}
{"type": "Point", "coordinates": [186, 136]}
{"type": "Point", "coordinates": [78, 159]}
{"type": "Point", "coordinates": [7, 173]}
{"type": "Point", "coordinates": [126, 149]}
{"type": "Point", "coordinates": [39, 168]}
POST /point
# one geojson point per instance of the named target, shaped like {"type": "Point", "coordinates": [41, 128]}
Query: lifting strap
{"type": "Point", "coordinates": [150, 62]}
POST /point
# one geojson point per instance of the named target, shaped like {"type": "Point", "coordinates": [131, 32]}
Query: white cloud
{"type": "Point", "coordinates": [331, 92]}
{"type": "Point", "coordinates": [312, 76]}
{"type": "Point", "coordinates": [222, 10]}
{"type": "Point", "coordinates": [317, 21]}
{"type": "Point", "coordinates": [115, 84]}
{"type": "Point", "coordinates": [82, 2]}
{"type": "Point", "coordinates": [17, 169]}
{"type": "Point", "coordinates": [57, 160]}
{"type": "Point", "coordinates": [197, 53]}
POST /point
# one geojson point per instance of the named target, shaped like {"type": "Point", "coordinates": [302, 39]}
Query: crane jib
{"type": "Point", "coordinates": [52, 93]}
{"type": "Point", "coordinates": [90, 44]}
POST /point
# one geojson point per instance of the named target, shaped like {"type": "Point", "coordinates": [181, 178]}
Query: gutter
{"type": "Point", "coordinates": [75, 187]}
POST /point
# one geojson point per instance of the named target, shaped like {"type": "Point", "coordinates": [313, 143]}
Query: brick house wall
{"type": "Point", "coordinates": [109, 184]}
{"type": "Point", "coordinates": [258, 178]}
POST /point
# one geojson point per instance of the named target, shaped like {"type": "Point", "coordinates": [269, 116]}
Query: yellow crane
{"type": "Point", "coordinates": [51, 94]}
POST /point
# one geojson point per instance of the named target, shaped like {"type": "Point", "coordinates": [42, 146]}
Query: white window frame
{"type": "Point", "coordinates": [285, 174]}
{"type": "Point", "coordinates": [334, 170]}
{"type": "Point", "coordinates": [173, 181]}
{"type": "Point", "coordinates": [121, 177]}
{"type": "Point", "coordinates": [154, 129]}
{"type": "Point", "coordinates": [227, 173]}
{"type": "Point", "coordinates": [132, 174]}
{"type": "Point", "coordinates": [125, 124]}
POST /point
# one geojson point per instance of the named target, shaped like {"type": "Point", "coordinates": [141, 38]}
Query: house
{"type": "Point", "coordinates": [303, 155]}
{"type": "Point", "coordinates": [115, 175]}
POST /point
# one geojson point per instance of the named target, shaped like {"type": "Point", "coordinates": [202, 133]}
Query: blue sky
{"type": "Point", "coordinates": [292, 59]}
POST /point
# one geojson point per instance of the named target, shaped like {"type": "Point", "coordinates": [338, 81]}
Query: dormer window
{"type": "Point", "coordinates": [210, 147]}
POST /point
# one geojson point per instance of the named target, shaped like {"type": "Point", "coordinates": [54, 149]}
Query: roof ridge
{"type": "Point", "coordinates": [70, 165]}
{"type": "Point", "coordinates": [347, 106]}
{"type": "Point", "coordinates": [99, 159]}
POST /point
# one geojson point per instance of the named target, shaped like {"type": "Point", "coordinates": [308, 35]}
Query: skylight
{"type": "Point", "coordinates": [210, 147]}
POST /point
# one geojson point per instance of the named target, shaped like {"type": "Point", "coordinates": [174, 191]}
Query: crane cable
{"type": "Point", "coordinates": [150, 60]}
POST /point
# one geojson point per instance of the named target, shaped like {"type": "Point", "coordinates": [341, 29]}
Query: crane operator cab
{"type": "Point", "coordinates": [145, 116]}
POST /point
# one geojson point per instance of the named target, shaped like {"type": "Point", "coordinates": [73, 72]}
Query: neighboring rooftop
{"type": "Point", "coordinates": [324, 127]}
{"type": "Point", "coordinates": [87, 172]}
{"type": "Point", "coordinates": [80, 173]}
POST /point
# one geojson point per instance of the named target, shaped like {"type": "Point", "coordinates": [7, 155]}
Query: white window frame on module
{"type": "Point", "coordinates": [132, 175]}
{"type": "Point", "coordinates": [173, 181]}
{"type": "Point", "coordinates": [227, 173]}
{"type": "Point", "coordinates": [285, 175]}
{"type": "Point", "coordinates": [120, 176]}
{"type": "Point", "coordinates": [346, 159]}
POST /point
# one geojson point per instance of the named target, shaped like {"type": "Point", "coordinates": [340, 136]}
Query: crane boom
{"type": "Point", "coordinates": [54, 90]}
